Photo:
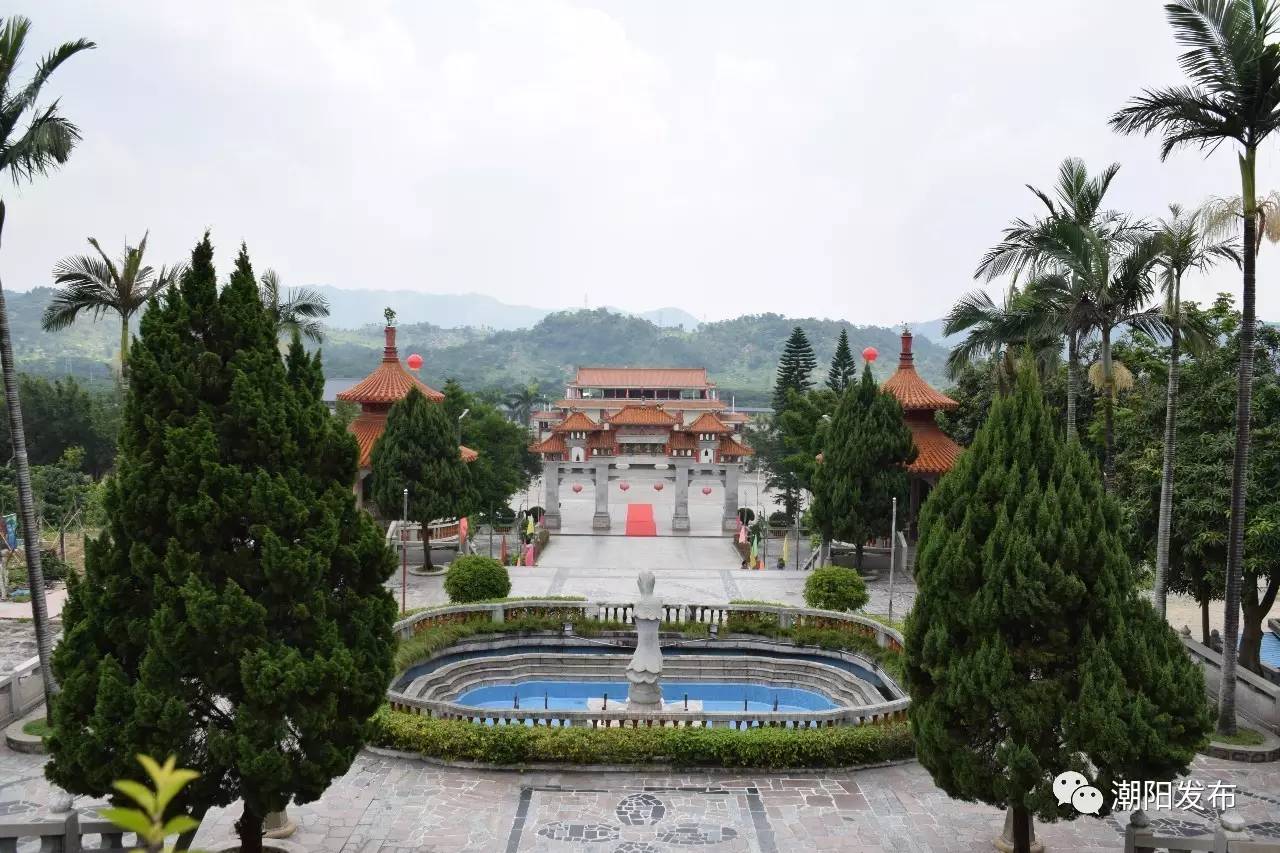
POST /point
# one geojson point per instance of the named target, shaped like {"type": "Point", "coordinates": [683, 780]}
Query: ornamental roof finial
{"type": "Point", "coordinates": [390, 314]}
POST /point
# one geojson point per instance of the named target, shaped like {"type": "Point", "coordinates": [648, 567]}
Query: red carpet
{"type": "Point", "coordinates": [640, 520]}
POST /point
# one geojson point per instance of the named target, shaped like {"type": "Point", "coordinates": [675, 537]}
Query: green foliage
{"type": "Point", "coordinates": [59, 489]}
{"type": "Point", "coordinates": [419, 451]}
{"type": "Point", "coordinates": [233, 612]}
{"type": "Point", "coordinates": [505, 465]}
{"type": "Point", "coordinates": [843, 370]}
{"type": "Point", "coordinates": [62, 414]}
{"type": "Point", "coordinates": [766, 748]}
{"type": "Point", "coordinates": [472, 577]}
{"type": "Point", "coordinates": [835, 588]}
{"type": "Point", "coordinates": [1029, 650]}
{"type": "Point", "coordinates": [862, 470]}
{"type": "Point", "coordinates": [1242, 737]}
{"type": "Point", "coordinates": [795, 369]}
{"type": "Point", "coordinates": [148, 820]}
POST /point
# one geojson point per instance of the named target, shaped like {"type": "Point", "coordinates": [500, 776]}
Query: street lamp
{"type": "Point", "coordinates": [404, 553]}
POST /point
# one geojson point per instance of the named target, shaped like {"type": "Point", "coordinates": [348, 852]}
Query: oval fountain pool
{"type": "Point", "coordinates": [710, 696]}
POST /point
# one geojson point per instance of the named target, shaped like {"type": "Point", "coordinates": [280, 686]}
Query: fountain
{"type": "Point", "coordinates": [644, 693]}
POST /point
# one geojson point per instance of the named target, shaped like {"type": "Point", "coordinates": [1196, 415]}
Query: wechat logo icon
{"type": "Point", "coordinates": [1072, 787]}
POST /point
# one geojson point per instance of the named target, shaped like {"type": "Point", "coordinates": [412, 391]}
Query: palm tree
{"type": "Point", "coordinates": [100, 285]}
{"type": "Point", "coordinates": [1234, 95]}
{"type": "Point", "coordinates": [43, 145]}
{"type": "Point", "coordinates": [1077, 198]}
{"type": "Point", "coordinates": [999, 332]}
{"type": "Point", "coordinates": [521, 400]}
{"type": "Point", "coordinates": [1185, 246]}
{"type": "Point", "coordinates": [300, 309]}
{"type": "Point", "coordinates": [1102, 282]}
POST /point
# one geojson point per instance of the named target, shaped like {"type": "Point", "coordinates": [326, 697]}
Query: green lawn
{"type": "Point", "coordinates": [38, 728]}
{"type": "Point", "coordinates": [1242, 737]}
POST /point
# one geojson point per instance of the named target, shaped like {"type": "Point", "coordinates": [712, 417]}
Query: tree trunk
{"type": "Point", "coordinates": [426, 547]}
{"type": "Point", "coordinates": [1204, 619]}
{"type": "Point", "coordinates": [26, 502]}
{"type": "Point", "coordinates": [1255, 610]}
{"type": "Point", "coordinates": [1109, 419]}
{"type": "Point", "coordinates": [857, 557]}
{"type": "Point", "coordinates": [1073, 369]}
{"type": "Point", "coordinates": [1170, 445]}
{"type": "Point", "coordinates": [1240, 462]}
{"type": "Point", "coordinates": [124, 346]}
{"type": "Point", "coordinates": [1021, 830]}
{"type": "Point", "coordinates": [249, 828]}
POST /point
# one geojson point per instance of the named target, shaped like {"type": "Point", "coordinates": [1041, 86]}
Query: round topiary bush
{"type": "Point", "coordinates": [476, 578]}
{"type": "Point", "coordinates": [835, 588]}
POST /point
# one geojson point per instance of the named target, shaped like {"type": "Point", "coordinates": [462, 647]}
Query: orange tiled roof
{"type": "Point", "coordinates": [707, 422]}
{"type": "Point", "coordinates": [732, 417]}
{"type": "Point", "coordinates": [729, 447]}
{"type": "Point", "coordinates": [615, 403]}
{"type": "Point", "coordinates": [390, 380]}
{"type": "Point", "coordinates": [912, 391]}
{"type": "Point", "coordinates": [643, 377]}
{"type": "Point", "coordinates": [643, 415]}
{"type": "Point", "coordinates": [551, 444]}
{"type": "Point", "coordinates": [936, 453]}
{"type": "Point", "coordinates": [576, 422]}
{"type": "Point", "coordinates": [547, 416]}
{"type": "Point", "coordinates": [604, 440]}
{"type": "Point", "coordinates": [368, 428]}
{"type": "Point", "coordinates": [681, 440]}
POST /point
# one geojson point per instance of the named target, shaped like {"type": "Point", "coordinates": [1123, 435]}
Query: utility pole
{"type": "Point", "coordinates": [404, 554]}
{"type": "Point", "coordinates": [893, 551]}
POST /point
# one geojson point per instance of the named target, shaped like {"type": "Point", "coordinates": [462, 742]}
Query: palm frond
{"type": "Point", "coordinates": [47, 143]}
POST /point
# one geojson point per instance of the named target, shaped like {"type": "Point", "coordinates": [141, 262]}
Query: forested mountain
{"type": "Point", "coordinates": [741, 354]}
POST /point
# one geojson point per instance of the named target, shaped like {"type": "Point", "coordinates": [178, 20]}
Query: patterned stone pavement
{"type": "Point", "coordinates": [389, 805]}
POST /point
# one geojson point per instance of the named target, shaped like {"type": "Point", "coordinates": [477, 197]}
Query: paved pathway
{"type": "Point", "coordinates": [395, 805]}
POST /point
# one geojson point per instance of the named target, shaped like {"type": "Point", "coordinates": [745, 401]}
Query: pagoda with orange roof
{"type": "Point", "coordinates": [389, 383]}
{"type": "Point", "coordinates": [936, 453]}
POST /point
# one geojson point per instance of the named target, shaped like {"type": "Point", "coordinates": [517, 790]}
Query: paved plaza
{"type": "Point", "coordinates": [396, 805]}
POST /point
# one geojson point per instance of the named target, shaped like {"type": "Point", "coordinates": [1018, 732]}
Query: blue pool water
{"type": "Point", "coordinates": [1270, 649]}
{"type": "Point", "coordinates": [715, 696]}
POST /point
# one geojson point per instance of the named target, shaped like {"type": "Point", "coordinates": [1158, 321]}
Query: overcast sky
{"type": "Point", "coordinates": [841, 159]}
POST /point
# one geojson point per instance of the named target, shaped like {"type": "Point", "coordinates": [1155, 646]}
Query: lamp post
{"type": "Point", "coordinates": [893, 551]}
{"type": "Point", "coordinates": [404, 553]}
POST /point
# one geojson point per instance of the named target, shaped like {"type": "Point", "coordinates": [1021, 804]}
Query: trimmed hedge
{"type": "Point", "coordinates": [762, 748]}
{"type": "Point", "coordinates": [831, 639]}
{"type": "Point", "coordinates": [474, 578]}
{"type": "Point", "coordinates": [835, 588]}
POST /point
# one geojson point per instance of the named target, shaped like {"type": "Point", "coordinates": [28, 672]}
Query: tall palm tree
{"type": "Point", "coordinates": [1233, 63]}
{"type": "Point", "coordinates": [43, 145]}
{"type": "Point", "coordinates": [100, 285]}
{"type": "Point", "coordinates": [296, 309]}
{"type": "Point", "coordinates": [1102, 281]}
{"type": "Point", "coordinates": [1077, 198]}
{"type": "Point", "coordinates": [1000, 331]}
{"type": "Point", "coordinates": [521, 400]}
{"type": "Point", "coordinates": [1186, 245]}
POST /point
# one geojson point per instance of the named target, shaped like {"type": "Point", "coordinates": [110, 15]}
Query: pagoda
{"type": "Point", "coordinates": [936, 453]}
{"type": "Point", "coordinates": [389, 383]}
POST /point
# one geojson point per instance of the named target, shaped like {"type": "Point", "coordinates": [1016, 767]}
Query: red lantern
{"type": "Point", "coordinates": [870, 353]}
{"type": "Point", "coordinates": [577, 487]}
{"type": "Point", "coordinates": [706, 490]}
{"type": "Point", "coordinates": [624, 486]}
{"type": "Point", "coordinates": [657, 487]}
{"type": "Point", "coordinates": [414, 361]}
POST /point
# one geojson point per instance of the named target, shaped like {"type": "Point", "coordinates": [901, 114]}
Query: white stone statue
{"type": "Point", "coordinates": [646, 664]}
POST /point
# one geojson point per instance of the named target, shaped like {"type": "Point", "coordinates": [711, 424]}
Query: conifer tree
{"type": "Point", "coordinates": [843, 369]}
{"type": "Point", "coordinates": [862, 470]}
{"type": "Point", "coordinates": [795, 369]}
{"type": "Point", "coordinates": [233, 612]}
{"type": "Point", "coordinates": [1029, 650]}
{"type": "Point", "coordinates": [419, 451]}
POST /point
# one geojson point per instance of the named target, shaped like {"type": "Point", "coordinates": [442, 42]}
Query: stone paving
{"type": "Point", "coordinates": [395, 805]}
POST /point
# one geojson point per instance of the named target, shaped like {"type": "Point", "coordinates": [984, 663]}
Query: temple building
{"type": "Point", "coordinates": [377, 393]}
{"type": "Point", "coordinates": [936, 453]}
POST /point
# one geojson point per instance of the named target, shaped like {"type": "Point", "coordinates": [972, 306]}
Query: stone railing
{"type": "Point", "coordinates": [1229, 836]}
{"type": "Point", "coordinates": [1256, 697]}
{"type": "Point", "coordinates": [708, 614]}
{"type": "Point", "coordinates": [20, 691]}
{"type": "Point", "coordinates": [64, 833]}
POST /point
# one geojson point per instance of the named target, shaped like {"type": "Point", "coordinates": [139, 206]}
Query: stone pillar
{"type": "Point", "coordinates": [601, 520]}
{"type": "Point", "coordinates": [680, 517]}
{"type": "Point", "coordinates": [551, 498]}
{"type": "Point", "coordinates": [730, 521]}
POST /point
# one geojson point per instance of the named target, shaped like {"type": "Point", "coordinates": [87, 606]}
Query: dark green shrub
{"type": "Point", "coordinates": [835, 588]}
{"type": "Point", "coordinates": [762, 748]}
{"type": "Point", "coordinates": [474, 578]}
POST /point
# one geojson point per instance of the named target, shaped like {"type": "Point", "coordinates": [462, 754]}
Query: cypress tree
{"type": "Point", "coordinates": [419, 451]}
{"type": "Point", "coordinates": [862, 470]}
{"type": "Point", "coordinates": [233, 612]}
{"type": "Point", "coordinates": [843, 369]}
{"type": "Point", "coordinates": [1029, 650]}
{"type": "Point", "coordinates": [795, 369]}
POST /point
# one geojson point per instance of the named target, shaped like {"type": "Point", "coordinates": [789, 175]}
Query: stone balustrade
{"type": "Point", "coordinates": [69, 832]}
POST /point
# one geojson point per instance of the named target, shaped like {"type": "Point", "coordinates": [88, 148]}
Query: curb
{"type": "Point", "coordinates": [659, 767]}
{"type": "Point", "coordinates": [19, 741]}
{"type": "Point", "coordinates": [1268, 751]}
